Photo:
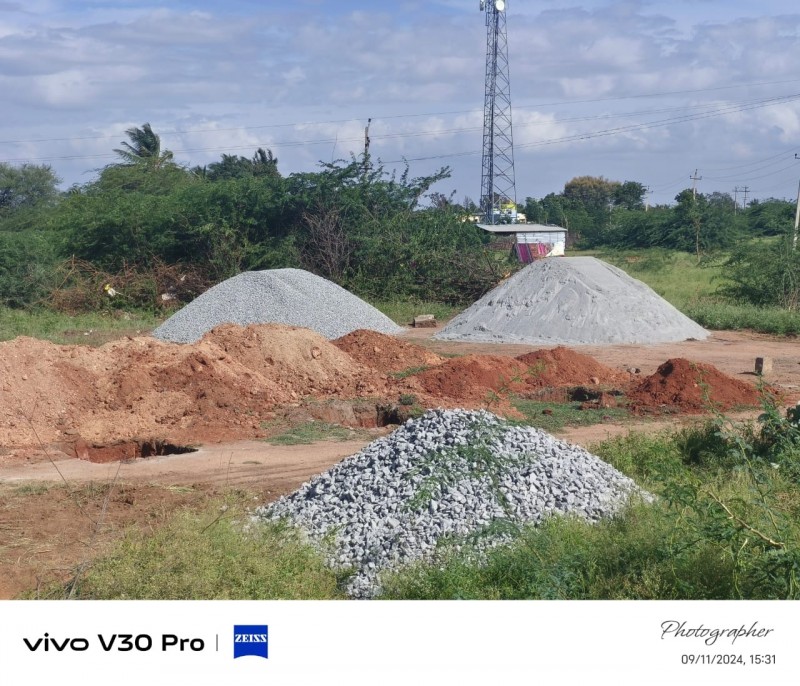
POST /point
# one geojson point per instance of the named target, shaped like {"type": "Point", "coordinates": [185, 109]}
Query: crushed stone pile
{"type": "Point", "coordinates": [449, 473]}
{"type": "Point", "coordinates": [571, 300]}
{"type": "Point", "coordinates": [282, 296]}
{"type": "Point", "coordinates": [692, 387]}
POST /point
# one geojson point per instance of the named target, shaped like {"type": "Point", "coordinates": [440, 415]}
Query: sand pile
{"type": "Point", "coordinates": [276, 296]}
{"type": "Point", "coordinates": [571, 300]}
{"type": "Point", "coordinates": [692, 387]}
{"type": "Point", "coordinates": [385, 353]}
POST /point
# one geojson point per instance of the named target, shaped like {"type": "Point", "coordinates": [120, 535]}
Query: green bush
{"type": "Point", "coordinates": [28, 262]}
{"type": "Point", "coordinates": [764, 274]}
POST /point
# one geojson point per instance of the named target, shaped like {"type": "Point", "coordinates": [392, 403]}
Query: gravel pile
{"type": "Point", "coordinates": [450, 473]}
{"type": "Point", "coordinates": [571, 300]}
{"type": "Point", "coordinates": [277, 296]}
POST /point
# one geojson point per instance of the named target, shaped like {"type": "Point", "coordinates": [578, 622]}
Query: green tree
{"type": "Point", "coordinates": [770, 217]}
{"type": "Point", "coordinates": [589, 201]}
{"type": "Point", "coordinates": [236, 166]}
{"type": "Point", "coordinates": [27, 267]}
{"type": "Point", "coordinates": [628, 195]}
{"type": "Point", "coordinates": [595, 193]}
{"type": "Point", "coordinates": [144, 148]}
{"type": "Point", "coordinates": [632, 228]}
{"type": "Point", "coordinates": [765, 275]}
{"type": "Point", "coordinates": [703, 223]}
{"type": "Point", "coordinates": [26, 187]}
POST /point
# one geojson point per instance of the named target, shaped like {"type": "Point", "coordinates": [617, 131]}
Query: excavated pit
{"type": "Point", "coordinates": [125, 451]}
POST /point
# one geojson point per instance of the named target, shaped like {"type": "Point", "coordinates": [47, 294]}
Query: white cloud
{"type": "Point", "coordinates": [70, 69]}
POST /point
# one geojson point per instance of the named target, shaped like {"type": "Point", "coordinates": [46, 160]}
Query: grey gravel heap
{"type": "Point", "coordinates": [571, 300]}
{"type": "Point", "coordinates": [448, 473]}
{"type": "Point", "coordinates": [276, 296]}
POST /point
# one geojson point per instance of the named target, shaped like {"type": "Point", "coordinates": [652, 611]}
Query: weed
{"type": "Point", "coordinates": [555, 416]}
{"type": "Point", "coordinates": [92, 329]}
{"type": "Point", "coordinates": [213, 554]}
{"type": "Point", "coordinates": [410, 371]}
{"type": "Point", "coordinates": [32, 488]}
{"type": "Point", "coordinates": [443, 469]}
{"type": "Point", "coordinates": [311, 432]}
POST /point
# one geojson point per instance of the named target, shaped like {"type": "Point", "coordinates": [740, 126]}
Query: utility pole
{"type": "Point", "coordinates": [796, 219]}
{"type": "Point", "coordinates": [745, 191]}
{"type": "Point", "coordinates": [735, 199]}
{"type": "Point", "coordinates": [796, 214]}
{"type": "Point", "coordinates": [366, 145]}
{"type": "Point", "coordinates": [695, 178]}
{"type": "Point", "coordinates": [647, 193]}
{"type": "Point", "coordinates": [497, 173]}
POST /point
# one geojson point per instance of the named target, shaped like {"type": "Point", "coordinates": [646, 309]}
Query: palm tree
{"type": "Point", "coordinates": [145, 147]}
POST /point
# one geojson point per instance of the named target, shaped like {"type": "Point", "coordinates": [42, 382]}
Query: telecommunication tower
{"type": "Point", "coordinates": [498, 193]}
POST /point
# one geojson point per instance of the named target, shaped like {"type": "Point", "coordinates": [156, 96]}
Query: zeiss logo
{"type": "Point", "coordinates": [250, 640]}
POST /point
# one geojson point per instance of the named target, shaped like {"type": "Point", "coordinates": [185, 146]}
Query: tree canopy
{"type": "Point", "coordinates": [144, 147]}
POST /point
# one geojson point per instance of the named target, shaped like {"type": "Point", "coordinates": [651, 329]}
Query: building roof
{"type": "Point", "coordinates": [521, 228]}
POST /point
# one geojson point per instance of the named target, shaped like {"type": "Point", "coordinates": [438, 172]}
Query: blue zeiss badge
{"type": "Point", "coordinates": [250, 640]}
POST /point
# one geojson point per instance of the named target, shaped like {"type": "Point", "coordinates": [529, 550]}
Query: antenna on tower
{"type": "Point", "coordinates": [498, 192]}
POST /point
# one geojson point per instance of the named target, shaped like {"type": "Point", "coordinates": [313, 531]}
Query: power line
{"type": "Point", "coordinates": [727, 109]}
{"type": "Point", "coordinates": [618, 130]}
{"type": "Point", "coordinates": [417, 114]}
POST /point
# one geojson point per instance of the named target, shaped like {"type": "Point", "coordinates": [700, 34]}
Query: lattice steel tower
{"type": "Point", "coordinates": [498, 194]}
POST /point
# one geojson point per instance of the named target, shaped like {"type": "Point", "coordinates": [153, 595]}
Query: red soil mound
{"type": "Point", "coordinates": [472, 377]}
{"type": "Point", "coordinates": [690, 386]}
{"type": "Point", "coordinates": [564, 367]}
{"type": "Point", "coordinates": [385, 353]}
{"type": "Point", "coordinates": [221, 387]}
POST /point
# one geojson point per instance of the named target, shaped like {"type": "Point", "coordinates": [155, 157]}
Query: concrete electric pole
{"type": "Point", "coordinates": [695, 178]}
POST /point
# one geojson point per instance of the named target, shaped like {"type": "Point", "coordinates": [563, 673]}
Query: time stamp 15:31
{"type": "Point", "coordinates": [726, 659]}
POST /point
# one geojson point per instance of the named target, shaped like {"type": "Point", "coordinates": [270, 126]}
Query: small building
{"type": "Point", "coordinates": [532, 241]}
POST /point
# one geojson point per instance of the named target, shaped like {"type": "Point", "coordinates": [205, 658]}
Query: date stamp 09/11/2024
{"type": "Point", "coordinates": [716, 637]}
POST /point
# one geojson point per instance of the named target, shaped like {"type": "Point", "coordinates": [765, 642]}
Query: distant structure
{"type": "Point", "coordinates": [531, 241]}
{"type": "Point", "coordinates": [498, 192]}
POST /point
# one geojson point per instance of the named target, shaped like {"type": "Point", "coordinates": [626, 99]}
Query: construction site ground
{"type": "Point", "coordinates": [50, 499]}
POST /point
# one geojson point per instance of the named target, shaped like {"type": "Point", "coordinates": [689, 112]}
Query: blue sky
{"type": "Point", "coordinates": [632, 90]}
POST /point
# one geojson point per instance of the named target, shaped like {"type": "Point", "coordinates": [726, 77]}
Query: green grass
{"type": "Point", "coordinates": [314, 431]}
{"type": "Point", "coordinates": [725, 525]}
{"type": "Point", "coordinates": [403, 312]}
{"type": "Point", "coordinates": [731, 317]}
{"type": "Point", "coordinates": [692, 288]}
{"type": "Point", "coordinates": [212, 554]}
{"type": "Point", "coordinates": [675, 276]}
{"type": "Point", "coordinates": [93, 329]}
{"type": "Point", "coordinates": [564, 558]}
{"type": "Point", "coordinates": [33, 488]}
{"type": "Point", "coordinates": [555, 416]}
{"type": "Point", "coordinates": [409, 372]}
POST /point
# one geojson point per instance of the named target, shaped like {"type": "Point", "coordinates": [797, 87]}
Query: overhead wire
{"type": "Point", "coordinates": [410, 115]}
{"type": "Point", "coordinates": [720, 110]}
{"type": "Point", "coordinates": [625, 129]}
